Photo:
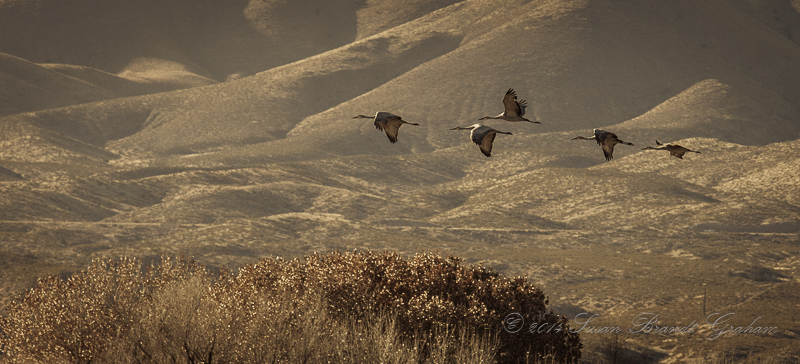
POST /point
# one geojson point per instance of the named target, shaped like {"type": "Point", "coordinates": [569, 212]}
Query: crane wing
{"type": "Point", "coordinates": [392, 127]}
{"type": "Point", "coordinates": [677, 151]}
{"type": "Point", "coordinates": [522, 105]}
{"type": "Point", "coordinates": [380, 124]}
{"type": "Point", "coordinates": [486, 144]}
{"type": "Point", "coordinates": [478, 133]}
{"type": "Point", "coordinates": [608, 150]}
{"type": "Point", "coordinates": [512, 107]}
{"type": "Point", "coordinates": [609, 141]}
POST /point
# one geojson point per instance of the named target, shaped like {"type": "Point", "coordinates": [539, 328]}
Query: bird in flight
{"type": "Point", "coordinates": [677, 151]}
{"type": "Point", "coordinates": [605, 140]}
{"type": "Point", "coordinates": [514, 110]}
{"type": "Point", "coordinates": [482, 135]}
{"type": "Point", "coordinates": [386, 122]}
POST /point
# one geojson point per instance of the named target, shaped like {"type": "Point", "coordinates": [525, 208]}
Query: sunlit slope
{"type": "Point", "coordinates": [709, 109]}
{"type": "Point", "coordinates": [753, 173]}
{"type": "Point", "coordinates": [727, 183]}
{"type": "Point", "coordinates": [357, 188]}
{"type": "Point", "coordinates": [522, 188]}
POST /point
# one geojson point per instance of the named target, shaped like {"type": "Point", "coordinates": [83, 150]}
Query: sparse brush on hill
{"type": "Point", "coordinates": [359, 307]}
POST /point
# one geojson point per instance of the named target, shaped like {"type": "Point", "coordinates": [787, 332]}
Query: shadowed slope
{"type": "Point", "coordinates": [708, 109]}
{"type": "Point", "coordinates": [25, 86]}
{"type": "Point", "coordinates": [222, 38]}
{"type": "Point", "coordinates": [143, 76]}
{"type": "Point", "coordinates": [9, 175]}
{"type": "Point", "coordinates": [24, 141]}
{"type": "Point", "coordinates": [380, 15]}
{"type": "Point", "coordinates": [781, 15]}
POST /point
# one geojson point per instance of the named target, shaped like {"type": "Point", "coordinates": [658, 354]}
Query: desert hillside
{"type": "Point", "coordinates": [224, 131]}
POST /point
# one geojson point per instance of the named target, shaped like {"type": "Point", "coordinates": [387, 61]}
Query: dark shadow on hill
{"type": "Point", "coordinates": [777, 228]}
{"type": "Point", "coordinates": [572, 161]}
{"type": "Point", "coordinates": [759, 274]}
{"type": "Point", "coordinates": [571, 311]}
{"type": "Point", "coordinates": [9, 175]}
{"type": "Point", "coordinates": [95, 124]}
{"type": "Point", "coordinates": [301, 28]}
{"type": "Point", "coordinates": [405, 223]}
{"type": "Point", "coordinates": [682, 192]}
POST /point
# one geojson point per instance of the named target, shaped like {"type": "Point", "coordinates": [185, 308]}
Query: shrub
{"type": "Point", "coordinates": [427, 292]}
{"type": "Point", "coordinates": [344, 308]}
{"type": "Point", "coordinates": [82, 316]}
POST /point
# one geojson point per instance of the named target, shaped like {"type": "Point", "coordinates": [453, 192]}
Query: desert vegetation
{"type": "Point", "coordinates": [355, 307]}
